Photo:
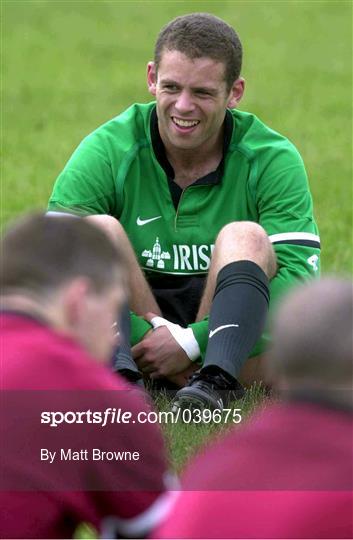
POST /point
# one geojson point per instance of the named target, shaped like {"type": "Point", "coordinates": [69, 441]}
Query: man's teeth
{"type": "Point", "coordinates": [185, 123]}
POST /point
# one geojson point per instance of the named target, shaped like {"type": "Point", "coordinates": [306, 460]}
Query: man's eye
{"type": "Point", "coordinates": [171, 87]}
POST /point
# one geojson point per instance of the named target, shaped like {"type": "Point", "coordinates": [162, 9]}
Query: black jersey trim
{"type": "Point", "coordinates": [158, 146]}
{"type": "Point", "coordinates": [307, 243]}
{"type": "Point", "coordinates": [297, 238]}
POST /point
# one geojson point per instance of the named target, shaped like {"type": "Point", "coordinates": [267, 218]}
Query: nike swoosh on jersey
{"type": "Point", "coordinates": [213, 332]}
{"type": "Point", "coordinates": [141, 222]}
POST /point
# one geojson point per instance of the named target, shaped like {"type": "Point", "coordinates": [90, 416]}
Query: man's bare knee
{"type": "Point", "coordinates": [245, 240]}
{"type": "Point", "coordinates": [109, 224]}
{"type": "Point", "coordinates": [243, 235]}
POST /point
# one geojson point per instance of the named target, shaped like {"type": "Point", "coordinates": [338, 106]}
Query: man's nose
{"type": "Point", "coordinates": [184, 102]}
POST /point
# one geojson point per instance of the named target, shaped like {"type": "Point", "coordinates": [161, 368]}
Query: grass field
{"type": "Point", "coordinates": [70, 66]}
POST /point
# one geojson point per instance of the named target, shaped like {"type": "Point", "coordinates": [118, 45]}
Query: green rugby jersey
{"type": "Point", "coordinates": [120, 169]}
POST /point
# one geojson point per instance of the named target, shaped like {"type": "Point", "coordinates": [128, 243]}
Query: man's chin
{"type": "Point", "coordinates": [181, 143]}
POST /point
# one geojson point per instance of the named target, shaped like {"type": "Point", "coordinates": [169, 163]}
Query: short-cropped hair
{"type": "Point", "coordinates": [201, 35]}
{"type": "Point", "coordinates": [312, 335]}
{"type": "Point", "coordinates": [39, 253]}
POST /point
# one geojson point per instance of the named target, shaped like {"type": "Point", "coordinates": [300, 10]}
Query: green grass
{"type": "Point", "coordinates": [186, 439]}
{"type": "Point", "coordinates": [70, 66]}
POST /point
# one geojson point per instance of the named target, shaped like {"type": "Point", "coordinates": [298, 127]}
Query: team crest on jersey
{"type": "Point", "coordinates": [156, 255]}
{"type": "Point", "coordinates": [183, 258]}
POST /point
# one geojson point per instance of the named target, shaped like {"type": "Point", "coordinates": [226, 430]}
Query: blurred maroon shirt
{"type": "Point", "coordinates": [44, 370]}
{"type": "Point", "coordinates": [287, 473]}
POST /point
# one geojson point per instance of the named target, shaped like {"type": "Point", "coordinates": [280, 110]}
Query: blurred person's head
{"type": "Point", "coordinates": [67, 272]}
{"type": "Point", "coordinates": [312, 342]}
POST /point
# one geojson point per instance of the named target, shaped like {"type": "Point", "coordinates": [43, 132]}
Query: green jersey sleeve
{"type": "Point", "coordinates": [86, 185]}
{"type": "Point", "coordinates": [285, 211]}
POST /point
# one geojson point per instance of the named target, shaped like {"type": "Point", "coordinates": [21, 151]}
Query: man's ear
{"type": "Point", "coordinates": [74, 301]}
{"type": "Point", "coordinates": [151, 78]}
{"type": "Point", "coordinates": [236, 93]}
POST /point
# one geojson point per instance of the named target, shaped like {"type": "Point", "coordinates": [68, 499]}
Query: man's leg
{"type": "Point", "coordinates": [238, 241]}
{"type": "Point", "coordinates": [141, 297]}
{"type": "Point", "coordinates": [236, 296]}
{"type": "Point", "coordinates": [123, 363]}
{"type": "Point", "coordinates": [243, 262]}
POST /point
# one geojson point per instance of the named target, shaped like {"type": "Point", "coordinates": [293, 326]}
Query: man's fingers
{"type": "Point", "coordinates": [147, 365]}
{"type": "Point", "coordinates": [138, 350]}
{"type": "Point", "coordinates": [148, 369]}
{"type": "Point", "coordinates": [155, 375]}
{"type": "Point", "coordinates": [142, 363]}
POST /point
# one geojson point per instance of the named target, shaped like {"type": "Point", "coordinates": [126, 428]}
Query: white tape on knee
{"type": "Point", "coordinates": [183, 336]}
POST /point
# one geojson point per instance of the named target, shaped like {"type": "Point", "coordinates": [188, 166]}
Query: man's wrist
{"type": "Point", "coordinates": [139, 328]}
{"type": "Point", "coordinates": [183, 336]}
{"type": "Point", "coordinates": [200, 331]}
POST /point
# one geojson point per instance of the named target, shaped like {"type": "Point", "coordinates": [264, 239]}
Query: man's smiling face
{"type": "Point", "coordinates": [192, 98]}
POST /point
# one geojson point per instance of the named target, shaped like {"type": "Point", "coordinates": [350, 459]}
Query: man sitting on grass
{"type": "Point", "coordinates": [186, 180]}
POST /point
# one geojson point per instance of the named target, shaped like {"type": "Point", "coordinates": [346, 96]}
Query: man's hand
{"type": "Point", "coordinates": [159, 354]}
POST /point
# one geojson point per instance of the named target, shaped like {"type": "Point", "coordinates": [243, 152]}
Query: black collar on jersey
{"type": "Point", "coordinates": [213, 177]}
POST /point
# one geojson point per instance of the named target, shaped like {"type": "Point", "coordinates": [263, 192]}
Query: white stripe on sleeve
{"type": "Point", "coordinates": [60, 214]}
{"type": "Point", "coordinates": [282, 237]}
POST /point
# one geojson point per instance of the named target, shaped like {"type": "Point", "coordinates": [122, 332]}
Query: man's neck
{"type": "Point", "coordinates": [189, 165]}
{"type": "Point", "coordinates": [28, 306]}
